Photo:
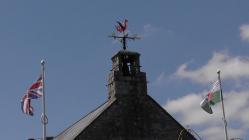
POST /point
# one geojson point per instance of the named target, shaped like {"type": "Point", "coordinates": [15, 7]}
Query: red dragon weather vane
{"type": "Point", "coordinates": [121, 28]}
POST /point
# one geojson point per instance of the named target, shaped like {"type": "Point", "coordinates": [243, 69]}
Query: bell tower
{"type": "Point", "coordinates": [129, 113]}
{"type": "Point", "coordinates": [125, 78]}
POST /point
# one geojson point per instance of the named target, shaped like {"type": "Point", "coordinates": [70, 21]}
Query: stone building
{"type": "Point", "coordinates": [129, 113]}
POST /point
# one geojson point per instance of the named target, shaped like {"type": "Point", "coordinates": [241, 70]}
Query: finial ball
{"type": "Point", "coordinates": [42, 62]}
{"type": "Point", "coordinates": [218, 70]}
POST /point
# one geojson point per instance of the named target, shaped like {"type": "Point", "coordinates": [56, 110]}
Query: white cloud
{"type": "Point", "coordinates": [188, 111]}
{"type": "Point", "coordinates": [160, 79]}
{"type": "Point", "coordinates": [217, 133]}
{"type": "Point", "coordinates": [231, 68]}
{"type": "Point", "coordinates": [244, 32]}
{"type": "Point", "coordinates": [244, 118]}
{"type": "Point", "coordinates": [148, 29]}
{"type": "Point", "coordinates": [188, 107]}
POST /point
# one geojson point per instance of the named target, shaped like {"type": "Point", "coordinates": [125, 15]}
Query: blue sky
{"type": "Point", "coordinates": [182, 45]}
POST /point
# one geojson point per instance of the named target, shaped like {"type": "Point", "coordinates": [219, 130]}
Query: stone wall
{"type": "Point", "coordinates": [134, 118]}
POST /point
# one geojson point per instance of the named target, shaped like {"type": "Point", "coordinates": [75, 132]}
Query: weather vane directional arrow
{"type": "Point", "coordinates": [121, 29]}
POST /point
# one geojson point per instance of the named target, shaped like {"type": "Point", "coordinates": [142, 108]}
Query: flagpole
{"type": "Point", "coordinates": [223, 109]}
{"type": "Point", "coordinates": [44, 119]}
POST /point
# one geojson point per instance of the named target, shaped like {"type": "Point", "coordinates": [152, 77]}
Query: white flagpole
{"type": "Point", "coordinates": [223, 109]}
{"type": "Point", "coordinates": [44, 119]}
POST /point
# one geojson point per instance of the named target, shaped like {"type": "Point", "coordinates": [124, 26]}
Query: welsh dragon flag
{"type": "Point", "coordinates": [214, 95]}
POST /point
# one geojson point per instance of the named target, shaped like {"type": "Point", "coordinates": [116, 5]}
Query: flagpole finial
{"type": "Point", "coordinates": [218, 71]}
{"type": "Point", "coordinates": [43, 62]}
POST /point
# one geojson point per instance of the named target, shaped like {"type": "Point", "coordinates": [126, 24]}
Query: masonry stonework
{"type": "Point", "coordinates": [129, 113]}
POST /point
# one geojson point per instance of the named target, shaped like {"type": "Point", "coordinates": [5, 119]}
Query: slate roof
{"type": "Point", "coordinates": [71, 132]}
{"type": "Point", "coordinates": [122, 113]}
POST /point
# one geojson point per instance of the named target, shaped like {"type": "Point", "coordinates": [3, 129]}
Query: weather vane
{"type": "Point", "coordinates": [123, 35]}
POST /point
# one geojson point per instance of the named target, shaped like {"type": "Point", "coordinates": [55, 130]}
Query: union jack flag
{"type": "Point", "coordinates": [34, 92]}
{"type": "Point", "coordinates": [26, 105]}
